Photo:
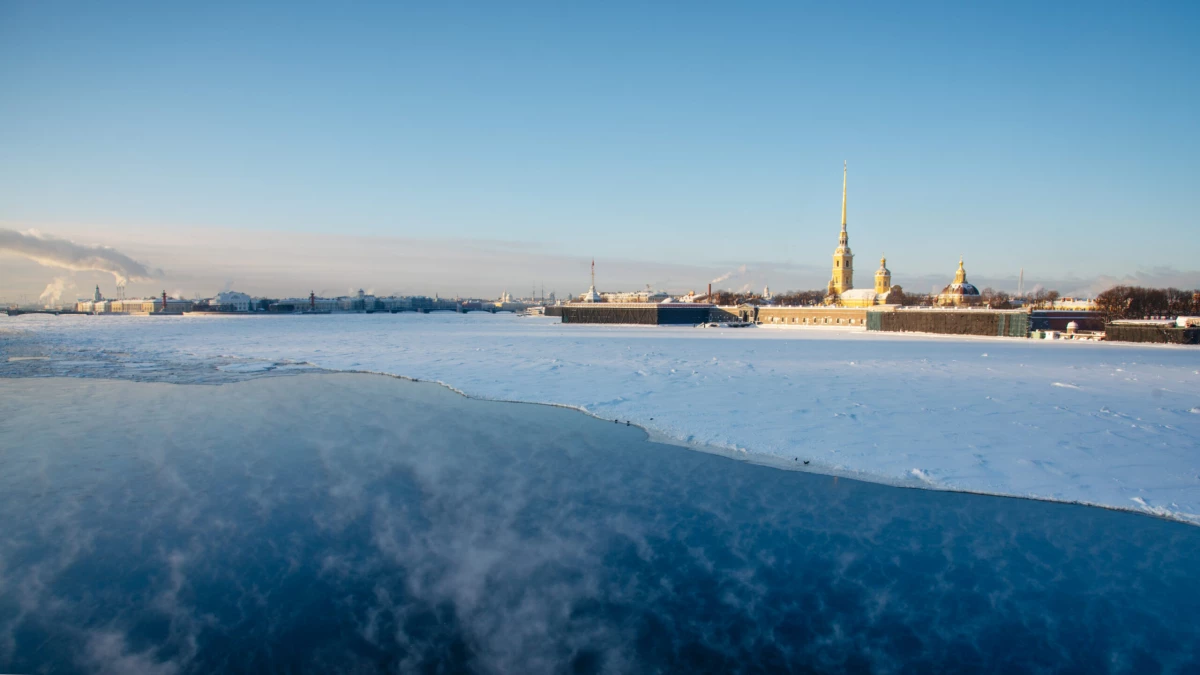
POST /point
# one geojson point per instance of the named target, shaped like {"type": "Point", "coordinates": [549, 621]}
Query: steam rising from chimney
{"type": "Point", "coordinates": [739, 271]}
{"type": "Point", "coordinates": [54, 290]}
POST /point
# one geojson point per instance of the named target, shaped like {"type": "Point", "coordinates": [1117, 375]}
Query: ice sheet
{"type": "Point", "coordinates": [1097, 423]}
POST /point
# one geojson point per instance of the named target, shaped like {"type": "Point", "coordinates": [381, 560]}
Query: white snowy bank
{"type": "Point", "coordinates": [1097, 423]}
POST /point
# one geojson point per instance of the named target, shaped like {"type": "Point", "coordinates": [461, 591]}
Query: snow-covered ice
{"type": "Point", "coordinates": [1098, 423]}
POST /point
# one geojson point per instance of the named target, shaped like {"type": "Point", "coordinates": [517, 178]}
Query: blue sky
{"type": "Point", "coordinates": [1058, 137]}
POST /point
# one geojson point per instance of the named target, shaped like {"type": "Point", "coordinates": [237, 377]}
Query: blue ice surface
{"type": "Point", "coordinates": [334, 523]}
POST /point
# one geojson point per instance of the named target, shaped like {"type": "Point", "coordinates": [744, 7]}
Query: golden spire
{"type": "Point", "coordinates": [843, 195]}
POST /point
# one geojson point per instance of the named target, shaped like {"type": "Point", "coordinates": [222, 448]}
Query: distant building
{"type": "Point", "coordinates": [93, 305]}
{"type": "Point", "coordinates": [646, 295]}
{"type": "Point", "coordinates": [173, 306]}
{"type": "Point", "coordinates": [144, 306]}
{"type": "Point", "coordinates": [300, 305]}
{"type": "Point", "coordinates": [959, 293]}
{"type": "Point", "coordinates": [230, 301]}
{"type": "Point", "coordinates": [393, 303]}
{"type": "Point", "coordinates": [1081, 304]}
{"type": "Point", "coordinates": [359, 302]}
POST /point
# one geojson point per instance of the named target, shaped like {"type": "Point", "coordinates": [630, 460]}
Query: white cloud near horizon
{"type": "Point", "coordinates": [279, 264]}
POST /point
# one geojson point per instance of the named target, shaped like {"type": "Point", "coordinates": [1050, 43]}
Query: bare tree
{"type": "Point", "coordinates": [799, 298]}
{"type": "Point", "coordinates": [1135, 302]}
{"type": "Point", "coordinates": [995, 299]}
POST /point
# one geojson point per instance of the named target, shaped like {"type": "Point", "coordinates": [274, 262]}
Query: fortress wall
{"type": "Point", "coordinates": [950, 322]}
{"type": "Point", "coordinates": [812, 316]}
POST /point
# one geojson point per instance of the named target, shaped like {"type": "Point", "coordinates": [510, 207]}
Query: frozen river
{"type": "Point", "coordinates": [342, 522]}
{"type": "Point", "coordinates": [1108, 424]}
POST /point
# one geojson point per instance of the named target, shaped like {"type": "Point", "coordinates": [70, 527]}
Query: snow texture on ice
{"type": "Point", "coordinates": [1097, 423]}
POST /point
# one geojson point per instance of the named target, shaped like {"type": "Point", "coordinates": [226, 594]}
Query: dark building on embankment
{"type": "Point", "coordinates": [1162, 332]}
{"type": "Point", "coordinates": [1058, 319]}
{"type": "Point", "coordinates": [644, 313]}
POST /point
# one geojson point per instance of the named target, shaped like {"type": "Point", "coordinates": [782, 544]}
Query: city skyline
{"type": "Point", "coordinates": [454, 151]}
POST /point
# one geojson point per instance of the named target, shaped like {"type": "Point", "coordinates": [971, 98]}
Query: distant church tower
{"type": "Point", "coordinates": [883, 277]}
{"type": "Point", "coordinates": [843, 259]}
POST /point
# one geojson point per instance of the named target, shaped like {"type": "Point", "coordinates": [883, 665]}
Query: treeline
{"type": "Point", "coordinates": [1135, 302]}
{"type": "Point", "coordinates": [799, 298]}
{"type": "Point", "coordinates": [1043, 298]}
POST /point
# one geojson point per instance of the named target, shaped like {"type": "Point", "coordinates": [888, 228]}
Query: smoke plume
{"type": "Point", "coordinates": [739, 271]}
{"type": "Point", "coordinates": [54, 291]}
{"type": "Point", "coordinates": [53, 251]}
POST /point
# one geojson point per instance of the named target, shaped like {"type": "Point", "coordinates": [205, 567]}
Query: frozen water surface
{"type": "Point", "coordinates": [337, 522]}
{"type": "Point", "coordinates": [1106, 424]}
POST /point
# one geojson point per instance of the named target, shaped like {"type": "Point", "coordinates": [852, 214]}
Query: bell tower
{"type": "Point", "coordinates": [883, 277]}
{"type": "Point", "coordinates": [843, 259]}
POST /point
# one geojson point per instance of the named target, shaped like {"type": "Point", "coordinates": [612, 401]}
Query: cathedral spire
{"type": "Point", "coordinates": [843, 259]}
{"type": "Point", "coordinates": [843, 195]}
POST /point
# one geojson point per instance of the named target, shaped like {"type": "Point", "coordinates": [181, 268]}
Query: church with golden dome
{"type": "Point", "coordinates": [959, 292]}
{"type": "Point", "coordinates": [841, 290]}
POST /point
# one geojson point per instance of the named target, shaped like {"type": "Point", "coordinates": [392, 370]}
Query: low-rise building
{"type": "Point", "coordinates": [359, 302]}
{"type": "Point", "coordinates": [230, 301]}
{"type": "Point", "coordinates": [1078, 304]}
{"type": "Point", "coordinates": [394, 303]}
{"type": "Point", "coordinates": [646, 295]}
{"type": "Point", "coordinates": [301, 305]}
